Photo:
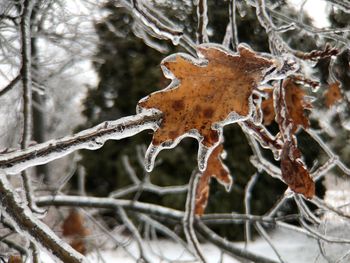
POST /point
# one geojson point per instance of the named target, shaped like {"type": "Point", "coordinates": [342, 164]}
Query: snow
{"type": "Point", "coordinates": [293, 248]}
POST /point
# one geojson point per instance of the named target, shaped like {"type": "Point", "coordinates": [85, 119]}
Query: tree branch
{"type": "Point", "coordinates": [154, 210]}
{"type": "Point", "coordinates": [26, 223]}
{"type": "Point", "coordinates": [92, 139]}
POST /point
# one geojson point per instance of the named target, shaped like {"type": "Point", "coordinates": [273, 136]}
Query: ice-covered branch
{"type": "Point", "coordinates": [342, 4]}
{"type": "Point", "coordinates": [92, 139]}
{"type": "Point", "coordinates": [25, 72]}
{"type": "Point", "coordinates": [26, 223]}
{"type": "Point", "coordinates": [157, 25]}
{"type": "Point", "coordinates": [189, 217]}
{"type": "Point", "coordinates": [9, 86]}
{"type": "Point", "coordinates": [233, 24]}
{"type": "Point", "coordinates": [202, 9]}
{"type": "Point", "coordinates": [154, 210]}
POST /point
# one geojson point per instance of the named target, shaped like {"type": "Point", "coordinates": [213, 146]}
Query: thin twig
{"type": "Point", "coordinates": [263, 233]}
{"type": "Point", "coordinates": [154, 210]}
{"type": "Point", "coordinates": [9, 86]}
{"type": "Point", "coordinates": [189, 216]}
{"type": "Point", "coordinates": [247, 197]}
{"type": "Point", "coordinates": [233, 24]}
{"type": "Point", "coordinates": [202, 16]}
{"type": "Point", "coordinates": [134, 231]}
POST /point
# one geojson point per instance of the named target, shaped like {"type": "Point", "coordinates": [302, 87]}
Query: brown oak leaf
{"type": "Point", "coordinates": [295, 102]}
{"type": "Point", "coordinates": [15, 259]}
{"type": "Point", "coordinates": [294, 172]}
{"type": "Point", "coordinates": [204, 95]}
{"type": "Point", "coordinates": [333, 94]}
{"type": "Point", "coordinates": [267, 108]}
{"type": "Point", "coordinates": [215, 168]}
{"type": "Point", "coordinates": [74, 228]}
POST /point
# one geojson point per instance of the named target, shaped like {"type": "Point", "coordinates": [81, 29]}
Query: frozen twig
{"type": "Point", "coordinates": [9, 86]}
{"type": "Point", "coordinates": [334, 157]}
{"type": "Point", "coordinates": [263, 233]}
{"type": "Point", "coordinates": [154, 210]}
{"type": "Point", "coordinates": [148, 187]}
{"type": "Point", "coordinates": [277, 44]}
{"type": "Point", "coordinates": [318, 235]}
{"type": "Point", "coordinates": [189, 216]}
{"type": "Point", "coordinates": [323, 205]}
{"type": "Point", "coordinates": [159, 26]}
{"type": "Point", "coordinates": [228, 246]}
{"type": "Point", "coordinates": [202, 16]}
{"type": "Point", "coordinates": [247, 197]}
{"type": "Point", "coordinates": [145, 185]}
{"type": "Point", "coordinates": [134, 231]}
{"type": "Point", "coordinates": [165, 231]}
{"type": "Point", "coordinates": [344, 5]}
{"type": "Point", "coordinates": [25, 73]}
{"type": "Point", "coordinates": [305, 210]}
{"type": "Point", "coordinates": [93, 138]}
{"type": "Point", "coordinates": [28, 225]}
{"type": "Point", "coordinates": [233, 24]}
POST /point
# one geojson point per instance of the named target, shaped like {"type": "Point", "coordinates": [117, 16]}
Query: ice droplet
{"type": "Point", "coordinates": [175, 40]}
{"type": "Point", "coordinates": [203, 156]}
{"type": "Point", "coordinates": [150, 156]}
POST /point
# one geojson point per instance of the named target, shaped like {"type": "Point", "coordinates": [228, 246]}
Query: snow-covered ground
{"type": "Point", "coordinates": [293, 248]}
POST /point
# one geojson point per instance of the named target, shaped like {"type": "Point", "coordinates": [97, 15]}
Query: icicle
{"type": "Point", "coordinates": [203, 156]}
{"type": "Point", "coordinates": [150, 156]}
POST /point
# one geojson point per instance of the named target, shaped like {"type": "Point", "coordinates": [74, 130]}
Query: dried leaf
{"type": "Point", "coordinates": [295, 102]}
{"type": "Point", "coordinates": [74, 225]}
{"type": "Point", "coordinates": [15, 259]}
{"type": "Point", "coordinates": [216, 169]}
{"type": "Point", "coordinates": [267, 108]}
{"type": "Point", "coordinates": [79, 244]}
{"type": "Point", "coordinates": [333, 94]}
{"type": "Point", "coordinates": [74, 228]}
{"type": "Point", "coordinates": [204, 93]}
{"type": "Point", "coordinates": [294, 172]}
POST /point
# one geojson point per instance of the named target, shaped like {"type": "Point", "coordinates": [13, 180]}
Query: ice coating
{"type": "Point", "coordinates": [207, 93]}
{"type": "Point", "coordinates": [93, 138]}
{"type": "Point", "coordinates": [162, 30]}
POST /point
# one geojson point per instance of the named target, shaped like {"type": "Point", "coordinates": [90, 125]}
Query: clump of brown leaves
{"type": "Point", "coordinates": [205, 96]}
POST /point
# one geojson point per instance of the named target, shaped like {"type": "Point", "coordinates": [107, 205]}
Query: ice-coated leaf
{"type": "Point", "coordinates": [295, 102]}
{"type": "Point", "coordinates": [333, 94]}
{"type": "Point", "coordinates": [216, 169]}
{"type": "Point", "coordinates": [74, 228]}
{"type": "Point", "coordinates": [205, 94]}
{"type": "Point", "coordinates": [294, 172]}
